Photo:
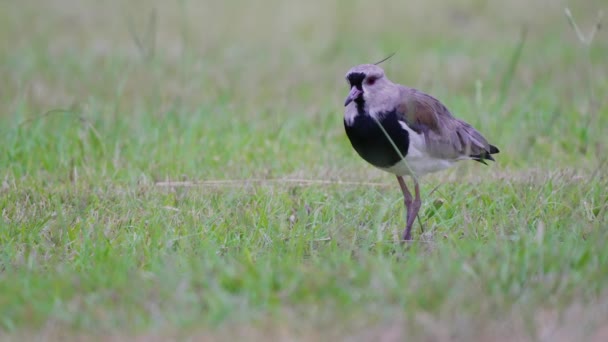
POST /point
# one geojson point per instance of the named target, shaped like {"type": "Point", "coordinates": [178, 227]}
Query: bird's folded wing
{"type": "Point", "coordinates": [445, 135]}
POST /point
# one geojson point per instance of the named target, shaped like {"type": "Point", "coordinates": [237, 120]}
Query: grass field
{"type": "Point", "coordinates": [180, 170]}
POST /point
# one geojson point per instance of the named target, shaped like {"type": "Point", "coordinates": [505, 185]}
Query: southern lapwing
{"type": "Point", "coordinates": [404, 131]}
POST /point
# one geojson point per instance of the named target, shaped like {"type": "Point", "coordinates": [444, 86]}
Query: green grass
{"type": "Point", "coordinates": [279, 230]}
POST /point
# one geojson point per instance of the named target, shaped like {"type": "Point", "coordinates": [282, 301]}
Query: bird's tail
{"type": "Point", "coordinates": [486, 155]}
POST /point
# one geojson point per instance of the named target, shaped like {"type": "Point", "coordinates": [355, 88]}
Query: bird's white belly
{"type": "Point", "coordinates": [417, 160]}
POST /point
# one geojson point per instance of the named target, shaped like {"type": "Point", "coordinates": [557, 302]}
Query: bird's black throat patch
{"type": "Point", "coordinates": [372, 143]}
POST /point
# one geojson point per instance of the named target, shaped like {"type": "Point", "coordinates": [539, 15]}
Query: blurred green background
{"type": "Point", "coordinates": [100, 101]}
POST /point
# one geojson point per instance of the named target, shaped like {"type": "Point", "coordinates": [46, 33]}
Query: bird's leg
{"type": "Point", "coordinates": [408, 201]}
{"type": "Point", "coordinates": [407, 195]}
{"type": "Point", "coordinates": [413, 210]}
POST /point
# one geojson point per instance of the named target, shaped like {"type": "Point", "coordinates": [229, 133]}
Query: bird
{"type": "Point", "coordinates": [406, 132]}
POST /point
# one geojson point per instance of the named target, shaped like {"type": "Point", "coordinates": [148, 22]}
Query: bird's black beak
{"type": "Point", "coordinates": [352, 95]}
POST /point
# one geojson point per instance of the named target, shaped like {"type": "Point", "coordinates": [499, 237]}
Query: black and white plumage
{"type": "Point", "coordinates": [404, 131]}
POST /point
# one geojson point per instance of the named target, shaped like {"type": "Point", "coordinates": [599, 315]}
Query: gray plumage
{"type": "Point", "coordinates": [445, 136]}
{"type": "Point", "coordinates": [406, 132]}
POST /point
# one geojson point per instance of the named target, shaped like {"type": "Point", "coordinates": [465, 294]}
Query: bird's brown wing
{"type": "Point", "coordinates": [445, 136]}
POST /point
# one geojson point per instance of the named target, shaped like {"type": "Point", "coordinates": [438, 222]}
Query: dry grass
{"type": "Point", "coordinates": [576, 323]}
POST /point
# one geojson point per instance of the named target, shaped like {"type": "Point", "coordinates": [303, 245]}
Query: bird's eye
{"type": "Point", "coordinates": [371, 81]}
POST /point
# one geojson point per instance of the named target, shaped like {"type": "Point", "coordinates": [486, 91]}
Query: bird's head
{"type": "Point", "coordinates": [366, 81]}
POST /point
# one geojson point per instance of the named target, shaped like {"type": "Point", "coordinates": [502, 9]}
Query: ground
{"type": "Point", "coordinates": [180, 169]}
